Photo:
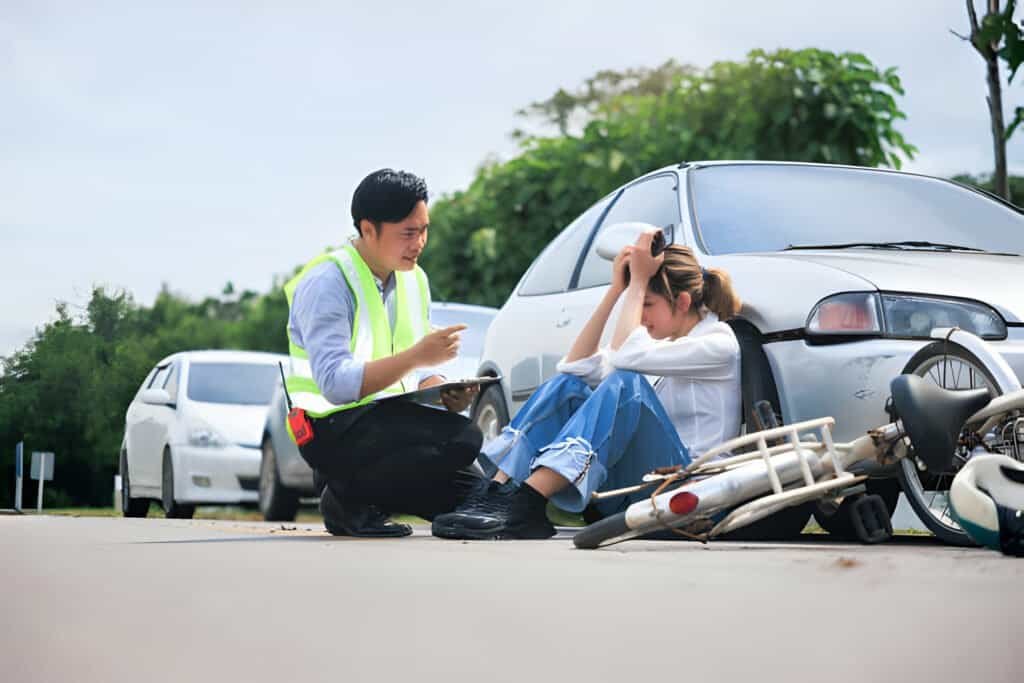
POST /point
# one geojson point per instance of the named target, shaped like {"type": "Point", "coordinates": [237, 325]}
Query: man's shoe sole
{"type": "Point", "coordinates": [461, 532]}
{"type": "Point", "coordinates": [401, 531]}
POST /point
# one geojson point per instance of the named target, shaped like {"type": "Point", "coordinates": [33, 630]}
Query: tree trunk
{"type": "Point", "coordinates": [1000, 182]}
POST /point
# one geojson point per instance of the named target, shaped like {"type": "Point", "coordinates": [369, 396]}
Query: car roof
{"type": "Point", "coordinates": [757, 162]}
{"type": "Point", "coordinates": [224, 356]}
{"type": "Point", "coordinates": [467, 308]}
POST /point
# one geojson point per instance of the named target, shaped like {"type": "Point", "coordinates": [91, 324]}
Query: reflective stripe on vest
{"type": "Point", "coordinates": [371, 334]}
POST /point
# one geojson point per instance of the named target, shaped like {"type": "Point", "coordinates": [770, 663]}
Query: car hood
{"type": "Point", "coordinates": [995, 280]}
{"type": "Point", "coordinates": [239, 424]}
{"type": "Point", "coordinates": [779, 289]}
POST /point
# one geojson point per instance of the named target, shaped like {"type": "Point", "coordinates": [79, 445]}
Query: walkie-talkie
{"type": "Point", "coordinates": [299, 425]}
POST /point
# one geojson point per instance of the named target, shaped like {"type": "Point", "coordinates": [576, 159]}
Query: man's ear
{"type": "Point", "coordinates": [368, 227]}
{"type": "Point", "coordinates": [683, 302]}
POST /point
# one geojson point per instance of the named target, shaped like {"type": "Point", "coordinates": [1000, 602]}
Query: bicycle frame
{"type": "Point", "coordinates": [797, 471]}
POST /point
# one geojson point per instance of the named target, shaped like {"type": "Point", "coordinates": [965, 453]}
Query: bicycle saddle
{"type": "Point", "coordinates": [933, 417]}
{"type": "Point", "coordinates": [987, 499]}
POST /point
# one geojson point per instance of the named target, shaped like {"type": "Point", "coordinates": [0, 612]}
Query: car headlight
{"type": "Point", "coordinates": [203, 435]}
{"type": "Point", "coordinates": [901, 316]}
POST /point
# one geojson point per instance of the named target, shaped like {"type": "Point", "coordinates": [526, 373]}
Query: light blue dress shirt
{"type": "Point", "coordinates": [320, 321]}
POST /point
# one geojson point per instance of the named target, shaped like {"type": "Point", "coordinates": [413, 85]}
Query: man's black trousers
{"type": "Point", "coordinates": [398, 455]}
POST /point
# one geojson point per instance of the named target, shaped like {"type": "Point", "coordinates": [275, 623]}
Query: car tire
{"type": "Point", "coordinates": [278, 503]}
{"type": "Point", "coordinates": [910, 477]}
{"type": "Point", "coordinates": [836, 520]}
{"type": "Point", "coordinates": [130, 507]}
{"type": "Point", "coordinates": [172, 508]}
{"type": "Point", "coordinates": [758, 384]}
{"type": "Point", "coordinates": [490, 414]}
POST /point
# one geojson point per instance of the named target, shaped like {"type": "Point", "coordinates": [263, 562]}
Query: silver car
{"type": "Point", "coordinates": [284, 475]}
{"type": "Point", "coordinates": [843, 272]}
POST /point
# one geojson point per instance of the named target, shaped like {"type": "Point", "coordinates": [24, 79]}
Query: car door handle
{"type": "Point", "coordinates": [563, 321]}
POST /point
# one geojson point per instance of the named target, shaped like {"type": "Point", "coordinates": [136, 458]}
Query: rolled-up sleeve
{"type": "Point", "coordinates": [706, 357]}
{"type": "Point", "coordinates": [592, 369]}
{"type": "Point", "coordinates": [320, 321]}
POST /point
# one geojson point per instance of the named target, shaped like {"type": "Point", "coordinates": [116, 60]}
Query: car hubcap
{"type": "Point", "coordinates": [487, 421]}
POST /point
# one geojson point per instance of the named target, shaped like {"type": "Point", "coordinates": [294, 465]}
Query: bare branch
{"type": "Point", "coordinates": [973, 17]}
{"type": "Point", "coordinates": [960, 36]}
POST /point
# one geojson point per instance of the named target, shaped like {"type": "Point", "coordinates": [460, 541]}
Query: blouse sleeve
{"type": "Point", "coordinates": [591, 369]}
{"type": "Point", "coordinates": [709, 356]}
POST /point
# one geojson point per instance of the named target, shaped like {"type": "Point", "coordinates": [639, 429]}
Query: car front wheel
{"type": "Point", "coordinates": [130, 507]}
{"type": "Point", "coordinates": [172, 508]}
{"type": "Point", "coordinates": [278, 503]}
{"type": "Point", "coordinates": [490, 413]}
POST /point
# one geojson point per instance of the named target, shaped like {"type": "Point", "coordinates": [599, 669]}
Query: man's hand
{"type": "Point", "coordinates": [457, 400]}
{"type": "Point", "coordinates": [438, 346]}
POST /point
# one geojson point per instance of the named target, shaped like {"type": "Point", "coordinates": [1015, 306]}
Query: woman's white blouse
{"type": "Point", "coordinates": [700, 389]}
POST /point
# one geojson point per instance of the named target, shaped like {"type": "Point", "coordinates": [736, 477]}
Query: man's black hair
{"type": "Point", "coordinates": [387, 196]}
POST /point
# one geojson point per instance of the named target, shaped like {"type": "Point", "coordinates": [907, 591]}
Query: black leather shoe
{"type": "Point", "coordinates": [502, 511]}
{"type": "Point", "coordinates": [366, 521]}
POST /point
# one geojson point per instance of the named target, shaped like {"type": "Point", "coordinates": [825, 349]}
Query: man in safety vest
{"type": "Point", "coordinates": [359, 331]}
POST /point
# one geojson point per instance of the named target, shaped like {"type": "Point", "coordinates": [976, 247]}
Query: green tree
{"type": "Point", "coordinates": [796, 105]}
{"type": "Point", "coordinates": [997, 37]}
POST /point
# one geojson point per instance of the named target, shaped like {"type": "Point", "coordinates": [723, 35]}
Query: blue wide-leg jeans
{"type": "Point", "coordinates": [599, 439]}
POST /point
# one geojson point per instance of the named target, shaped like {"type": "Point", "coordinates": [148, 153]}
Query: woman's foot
{"type": "Point", "coordinates": [502, 511]}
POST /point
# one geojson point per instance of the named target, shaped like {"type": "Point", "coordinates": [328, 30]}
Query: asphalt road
{"type": "Point", "coordinates": [109, 599]}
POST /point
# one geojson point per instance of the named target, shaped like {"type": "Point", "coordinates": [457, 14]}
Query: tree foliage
{"type": "Point", "coordinates": [795, 105]}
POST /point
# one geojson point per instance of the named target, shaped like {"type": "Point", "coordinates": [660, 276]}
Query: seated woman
{"type": "Point", "coordinates": [570, 440]}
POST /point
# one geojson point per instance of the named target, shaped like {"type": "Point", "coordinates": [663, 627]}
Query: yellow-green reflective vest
{"type": "Point", "coordinates": [372, 337]}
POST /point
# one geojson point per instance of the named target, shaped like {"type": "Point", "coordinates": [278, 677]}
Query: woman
{"type": "Point", "coordinates": [570, 440]}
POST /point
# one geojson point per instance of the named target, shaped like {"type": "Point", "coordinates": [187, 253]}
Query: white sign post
{"type": "Point", "coordinates": [19, 456]}
{"type": "Point", "coordinates": [42, 469]}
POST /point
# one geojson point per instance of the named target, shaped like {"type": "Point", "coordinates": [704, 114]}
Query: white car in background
{"type": "Point", "coordinates": [192, 433]}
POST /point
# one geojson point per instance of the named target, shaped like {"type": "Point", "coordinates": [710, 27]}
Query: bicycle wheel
{"type": "Point", "coordinates": [950, 366]}
{"type": "Point", "coordinates": [594, 535]}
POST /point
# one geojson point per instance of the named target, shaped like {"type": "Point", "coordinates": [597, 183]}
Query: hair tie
{"type": "Point", "coordinates": [704, 273]}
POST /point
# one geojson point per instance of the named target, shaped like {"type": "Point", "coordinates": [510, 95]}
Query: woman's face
{"type": "Point", "coordinates": [659, 317]}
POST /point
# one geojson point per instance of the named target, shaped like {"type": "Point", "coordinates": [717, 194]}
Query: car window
{"type": "Point", "coordinates": [654, 201]}
{"type": "Point", "coordinates": [552, 270]}
{"type": "Point", "coordinates": [145, 382]}
{"type": "Point", "coordinates": [171, 385]}
{"type": "Point", "coordinates": [160, 378]}
{"type": "Point", "coordinates": [755, 208]}
{"type": "Point", "coordinates": [234, 383]}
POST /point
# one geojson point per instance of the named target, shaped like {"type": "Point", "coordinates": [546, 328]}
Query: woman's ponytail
{"type": "Point", "coordinates": [710, 287]}
{"type": "Point", "coordinates": [719, 295]}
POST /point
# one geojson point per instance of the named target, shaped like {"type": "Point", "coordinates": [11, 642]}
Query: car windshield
{"type": "Point", "coordinates": [248, 384]}
{"type": "Point", "coordinates": [757, 208]}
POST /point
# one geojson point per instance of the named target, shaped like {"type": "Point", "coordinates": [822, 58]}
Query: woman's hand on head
{"type": "Point", "coordinates": [620, 269]}
{"type": "Point", "coordinates": [643, 266]}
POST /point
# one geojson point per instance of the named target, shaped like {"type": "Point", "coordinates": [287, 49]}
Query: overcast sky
{"type": "Point", "coordinates": [196, 143]}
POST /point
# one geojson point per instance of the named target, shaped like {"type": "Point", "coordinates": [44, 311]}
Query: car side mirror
{"type": "Point", "coordinates": [156, 397]}
{"type": "Point", "coordinates": [613, 238]}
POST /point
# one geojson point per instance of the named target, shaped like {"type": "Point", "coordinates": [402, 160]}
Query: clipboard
{"type": "Point", "coordinates": [432, 395]}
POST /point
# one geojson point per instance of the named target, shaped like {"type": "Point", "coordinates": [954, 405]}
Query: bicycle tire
{"type": "Point", "coordinates": [913, 490]}
{"type": "Point", "coordinates": [591, 537]}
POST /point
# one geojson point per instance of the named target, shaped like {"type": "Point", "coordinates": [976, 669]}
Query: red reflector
{"type": "Point", "coordinates": [683, 503]}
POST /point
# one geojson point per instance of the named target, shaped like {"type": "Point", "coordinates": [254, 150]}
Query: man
{"type": "Point", "coordinates": [359, 332]}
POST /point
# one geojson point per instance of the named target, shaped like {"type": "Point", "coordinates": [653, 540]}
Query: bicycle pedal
{"type": "Point", "coordinates": [870, 519]}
